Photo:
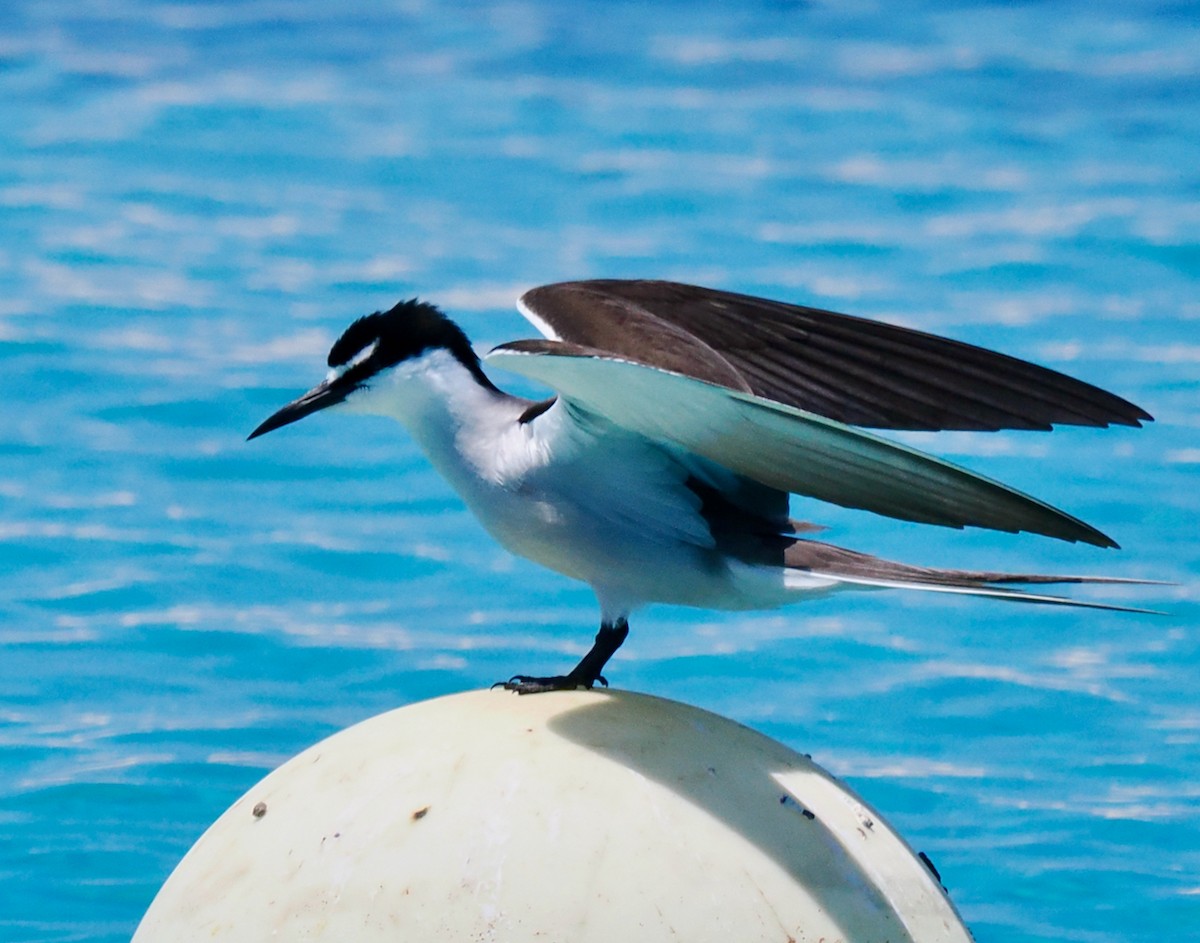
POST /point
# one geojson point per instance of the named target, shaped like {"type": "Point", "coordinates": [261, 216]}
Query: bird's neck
{"type": "Point", "coordinates": [459, 419]}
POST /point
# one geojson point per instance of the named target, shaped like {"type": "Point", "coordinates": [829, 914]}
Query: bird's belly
{"type": "Point", "coordinates": [625, 553]}
{"type": "Point", "coordinates": [562, 535]}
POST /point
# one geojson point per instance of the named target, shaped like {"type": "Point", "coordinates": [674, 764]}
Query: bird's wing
{"type": "Point", "coordinates": [781, 446]}
{"type": "Point", "coordinates": [857, 371]}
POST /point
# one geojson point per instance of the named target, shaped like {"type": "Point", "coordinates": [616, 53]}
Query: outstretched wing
{"type": "Point", "coordinates": [857, 371]}
{"type": "Point", "coordinates": [784, 447]}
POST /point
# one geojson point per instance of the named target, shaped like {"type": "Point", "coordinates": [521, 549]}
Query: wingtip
{"type": "Point", "coordinates": [1071, 529]}
{"type": "Point", "coordinates": [1131, 415]}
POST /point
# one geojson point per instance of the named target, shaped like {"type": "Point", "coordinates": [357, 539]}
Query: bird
{"type": "Point", "coordinates": [681, 420]}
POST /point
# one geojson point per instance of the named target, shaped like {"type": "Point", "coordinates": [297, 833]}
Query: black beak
{"type": "Point", "coordinates": [319, 397]}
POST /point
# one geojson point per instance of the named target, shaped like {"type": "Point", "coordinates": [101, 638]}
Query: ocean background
{"type": "Point", "coordinates": [197, 198]}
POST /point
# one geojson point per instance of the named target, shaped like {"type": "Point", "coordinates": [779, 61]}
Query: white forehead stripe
{"type": "Point", "coordinates": [354, 361]}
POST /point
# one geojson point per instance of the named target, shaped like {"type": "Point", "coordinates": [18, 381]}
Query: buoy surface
{"type": "Point", "coordinates": [580, 816]}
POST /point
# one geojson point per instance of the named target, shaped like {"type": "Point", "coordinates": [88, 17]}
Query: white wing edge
{"type": "Point", "coordinates": [536, 320]}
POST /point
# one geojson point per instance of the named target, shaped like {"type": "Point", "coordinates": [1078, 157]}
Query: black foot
{"type": "Point", "coordinates": [584, 675]}
{"type": "Point", "coordinates": [530, 684]}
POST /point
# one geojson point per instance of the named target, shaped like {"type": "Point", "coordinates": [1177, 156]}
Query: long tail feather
{"type": "Point", "coordinates": [861, 569]}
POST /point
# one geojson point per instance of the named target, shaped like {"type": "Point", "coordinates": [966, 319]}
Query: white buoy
{"type": "Point", "coordinates": [574, 816]}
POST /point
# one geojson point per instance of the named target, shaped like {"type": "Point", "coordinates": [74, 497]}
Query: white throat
{"type": "Point", "coordinates": [459, 423]}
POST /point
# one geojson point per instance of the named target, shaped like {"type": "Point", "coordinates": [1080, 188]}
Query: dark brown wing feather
{"type": "Point", "coordinates": [857, 371]}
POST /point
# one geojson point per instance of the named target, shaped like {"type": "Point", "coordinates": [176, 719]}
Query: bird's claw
{"type": "Point", "coordinates": [532, 684]}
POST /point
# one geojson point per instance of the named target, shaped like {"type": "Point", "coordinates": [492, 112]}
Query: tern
{"type": "Point", "coordinates": [682, 420]}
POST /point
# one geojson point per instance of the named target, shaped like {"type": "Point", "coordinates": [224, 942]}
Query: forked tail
{"type": "Point", "coordinates": [862, 569]}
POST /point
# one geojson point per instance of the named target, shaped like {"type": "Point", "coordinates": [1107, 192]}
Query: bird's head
{"type": "Point", "coordinates": [375, 349]}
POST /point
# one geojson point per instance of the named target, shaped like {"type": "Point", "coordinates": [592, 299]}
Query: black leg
{"type": "Point", "coordinates": [583, 675]}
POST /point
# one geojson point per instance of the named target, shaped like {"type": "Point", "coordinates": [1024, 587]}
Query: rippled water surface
{"type": "Point", "coordinates": [196, 199]}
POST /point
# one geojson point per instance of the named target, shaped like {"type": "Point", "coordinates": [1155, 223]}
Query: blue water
{"type": "Point", "coordinates": [196, 199]}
